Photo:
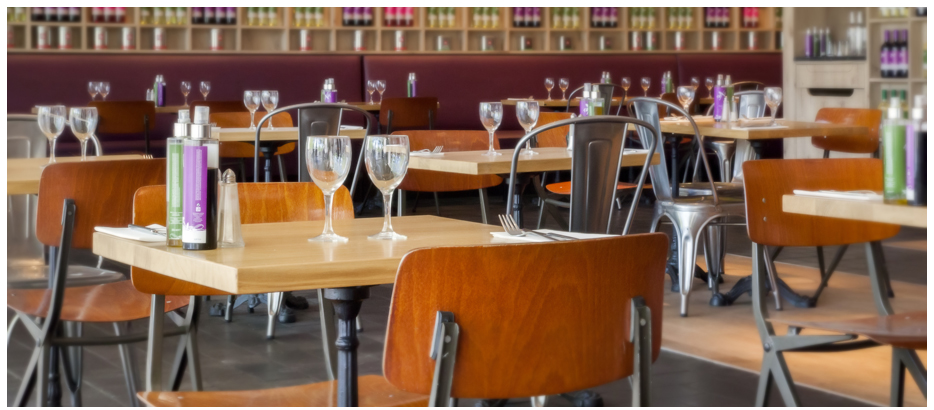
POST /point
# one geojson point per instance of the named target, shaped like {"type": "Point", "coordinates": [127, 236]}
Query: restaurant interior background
{"type": "Point", "coordinates": [141, 67]}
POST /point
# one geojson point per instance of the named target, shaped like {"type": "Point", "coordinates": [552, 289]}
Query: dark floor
{"type": "Point", "coordinates": [237, 356]}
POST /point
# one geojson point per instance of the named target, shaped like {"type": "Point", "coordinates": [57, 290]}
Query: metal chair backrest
{"type": "Point", "coordinates": [24, 139]}
{"type": "Point", "coordinates": [598, 146]}
{"type": "Point", "coordinates": [606, 91]}
{"type": "Point", "coordinates": [408, 113]}
{"type": "Point", "coordinates": [646, 109]}
{"type": "Point", "coordinates": [751, 102]}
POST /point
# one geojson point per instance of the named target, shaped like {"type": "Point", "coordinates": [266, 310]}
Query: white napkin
{"type": "Point", "coordinates": [531, 237]}
{"type": "Point", "coordinates": [351, 127]}
{"type": "Point", "coordinates": [696, 118]}
{"type": "Point", "coordinates": [127, 233]}
{"type": "Point", "coordinates": [857, 195]}
{"type": "Point", "coordinates": [425, 153]}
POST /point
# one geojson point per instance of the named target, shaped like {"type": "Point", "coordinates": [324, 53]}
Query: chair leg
{"type": "Point", "coordinates": [437, 204]}
{"type": "Point", "coordinates": [485, 205]}
{"type": "Point", "coordinates": [273, 303]}
{"type": "Point", "coordinates": [42, 374]}
{"type": "Point", "coordinates": [72, 362]}
{"type": "Point", "coordinates": [541, 215]}
{"type": "Point", "coordinates": [897, 393]}
{"type": "Point", "coordinates": [281, 168]}
{"type": "Point", "coordinates": [689, 230]}
{"type": "Point", "coordinates": [242, 169]}
{"type": "Point", "coordinates": [129, 370]}
{"type": "Point", "coordinates": [29, 380]}
{"type": "Point", "coordinates": [228, 312]}
{"type": "Point", "coordinates": [9, 329]}
{"type": "Point", "coordinates": [194, 362]}
{"type": "Point", "coordinates": [772, 273]}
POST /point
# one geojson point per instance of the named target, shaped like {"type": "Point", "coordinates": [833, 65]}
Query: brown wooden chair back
{"type": "Point", "coordinates": [673, 98]}
{"type": "Point", "coordinates": [225, 119]}
{"type": "Point", "coordinates": [747, 86]}
{"type": "Point", "coordinates": [434, 181]}
{"type": "Point", "coordinates": [766, 181]}
{"type": "Point", "coordinates": [219, 106]}
{"type": "Point", "coordinates": [102, 191]}
{"type": "Point", "coordinates": [866, 144]}
{"type": "Point", "coordinates": [535, 319]}
{"type": "Point", "coordinates": [408, 113]}
{"type": "Point", "coordinates": [555, 137]}
{"type": "Point", "coordinates": [124, 117]}
{"type": "Point", "coordinates": [259, 203]}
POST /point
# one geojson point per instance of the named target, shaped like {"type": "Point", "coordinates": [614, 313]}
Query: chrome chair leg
{"type": "Point", "coordinates": [228, 311]}
{"type": "Point", "coordinates": [72, 361]}
{"type": "Point", "coordinates": [690, 227]}
{"type": "Point", "coordinates": [129, 370]}
{"type": "Point", "coordinates": [9, 329]}
{"type": "Point", "coordinates": [485, 205]}
{"type": "Point", "coordinates": [773, 275]}
{"type": "Point", "coordinates": [273, 304]}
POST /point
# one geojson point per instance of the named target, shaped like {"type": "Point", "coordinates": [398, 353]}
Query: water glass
{"type": "Point", "coordinates": [328, 161]}
{"type": "Point", "coordinates": [773, 98]}
{"type": "Point", "coordinates": [51, 120]}
{"type": "Point", "coordinates": [380, 88]}
{"type": "Point", "coordinates": [205, 89]}
{"type": "Point", "coordinates": [625, 83]}
{"type": "Point", "coordinates": [491, 115]}
{"type": "Point", "coordinates": [387, 159]}
{"type": "Point", "coordinates": [563, 85]}
{"type": "Point", "coordinates": [527, 113]}
{"type": "Point", "coordinates": [251, 100]}
{"type": "Point", "coordinates": [686, 97]}
{"type": "Point", "coordinates": [370, 87]}
{"type": "Point", "coordinates": [549, 85]}
{"type": "Point", "coordinates": [709, 83]}
{"type": "Point", "coordinates": [93, 89]}
{"type": "Point", "coordinates": [270, 99]}
{"type": "Point", "coordinates": [83, 124]}
{"type": "Point", "coordinates": [103, 88]}
{"type": "Point", "coordinates": [186, 88]}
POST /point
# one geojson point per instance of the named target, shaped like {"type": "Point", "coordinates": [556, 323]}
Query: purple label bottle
{"type": "Point", "coordinates": [808, 44]}
{"type": "Point", "coordinates": [719, 94]}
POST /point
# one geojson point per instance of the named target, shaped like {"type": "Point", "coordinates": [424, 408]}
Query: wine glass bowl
{"type": "Point", "coordinates": [686, 97]}
{"type": "Point", "coordinates": [93, 89]}
{"type": "Point", "coordinates": [527, 114]}
{"type": "Point", "coordinates": [563, 84]}
{"type": "Point", "coordinates": [251, 100]}
{"type": "Point", "coordinates": [103, 88]}
{"type": "Point", "coordinates": [205, 89]}
{"type": "Point", "coordinates": [646, 83]}
{"type": "Point", "coordinates": [491, 115]}
{"type": "Point", "coordinates": [625, 83]}
{"type": "Point", "coordinates": [387, 159]}
{"type": "Point", "coordinates": [186, 89]}
{"type": "Point", "coordinates": [370, 88]}
{"type": "Point", "coordinates": [773, 98]}
{"type": "Point", "coordinates": [51, 119]}
{"type": "Point", "coordinates": [328, 161]}
{"type": "Point", "coordinates": [709, 84]}
{"type": "Point", "coordinates": [83, 121]}
{"type": "Point", "coordinates": [549, 85]}
{"type": "Point", "coordinates": [380, 88]}
{"type": "Point", "coordinates": [695, 83]}
{"type": "Point", "coordinates": [269, 99]}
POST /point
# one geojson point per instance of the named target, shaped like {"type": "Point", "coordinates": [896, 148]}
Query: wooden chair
{"type": "Point", "coordinates": [442, 299]}
{"type": "Point", "coordinates": [766, 182]}
{"type": "Point", "coordinates": [868, 144]}
{"type": "Point", "coordinates": [748, 86]}
{"type": "Point", "coordinates": [243, 150]}
{"type": "Point", "coordinates": [102, 192]}
{"type": "Point", "coordinates": [408, 113]}
{"type": "Point", "coordinates": [259, 203]}
{"type": "Point", "coordinates": [433, 181]}
{"type": "Point", "coordinates": [126, 117]}
{"type": "Point", "coordinates": [218, 106]}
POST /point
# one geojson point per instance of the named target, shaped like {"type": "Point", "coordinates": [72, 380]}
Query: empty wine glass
{"type": "Point", "coordinates": [527, 113]}
{"type": "Point", "coordinates": [625, 83]}
{"type": "Point", "coordinates": [695, 83]}
{"type": "Point", "coordinates": [370, 87]}
{"type": "Point", "coordinates": [387, 159]}
{"type": "Point", "coordinates": [773, 98]}
{"type": "Point", "coordinates": [103, 88]}
{"type": "Point", "coordinates": [205, 89]}
{"type": "Point", "coordinates": [709, 83]}
{"type": "Point", "coordinates": [549, 85]}
{"type": "Point", "coordinates": [251, 100]}
{"type": "Point", "coordinates": [93, 89]}
{"type": "Point", "coordinates": [563, 85]}
{"type": "Point", "coordinates": [51, 120]}
{"type": "Point", "coordinates": [646, 82]}
{"type": "Point", "coordinates": [83, 123]}
{"type": "Point", "coordinates": [491, 115]}
{"type": "Point", "coordinates": [186, 88]}
{"type": "Point", "coordinates": [685, 96]}
{"type": "Point", "coordinates": [380, 88]}
{"type": "Point", "coordinates": [328, 161]}
{"type": "Point", "coordinates": [270, 99]}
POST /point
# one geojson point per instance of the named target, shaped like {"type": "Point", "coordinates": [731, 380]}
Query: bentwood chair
{"type": "Point", "coordinates": [95, 194]}
{"type": "Point", "coordinates": [125, 117]}
{"type": "Point", "coordinates": [433, 181]}
{"type": "Point", "coordinates": [243, 150]}
{"type": "Point", "coordinates": [766, 182]}
{"type": "Point", "coordinates": [739, 86]}
{"type": "Point", "coordinates": [689, 215]}
{"type": "Point", "coordinates": [408, 113]}
{"type": "Point", "coordinates": [606, 91]}
{"type": "Point", "coordinates": [868, 144]}
{"type": "Point", "coordinates": [440, 293]}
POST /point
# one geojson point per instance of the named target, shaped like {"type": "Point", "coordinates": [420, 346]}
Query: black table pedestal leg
{"type": "Point", "coordinates": [744, 286]}
{"type": "Point", "coordinates": [522, 180]}
{"type": "Point", "coordinates": [347, 302]}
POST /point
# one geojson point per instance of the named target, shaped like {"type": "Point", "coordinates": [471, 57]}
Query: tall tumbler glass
{"type": "Point", "coordinates": [328, 161]}
{"type": "Point", "coordinates": [387, 159]}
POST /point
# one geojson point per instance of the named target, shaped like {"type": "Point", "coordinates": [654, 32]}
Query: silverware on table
{"type": "Point", "coordinates": [509, 224]}
{"type": "Point", "coordinates": [144, 229]}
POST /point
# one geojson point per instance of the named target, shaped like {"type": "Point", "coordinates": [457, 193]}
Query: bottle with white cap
{"type": "Point", "coordinates": [199, 185]}
{"type": "Point", "coordinates": [585, 101]}
{"type": "Point", "coordinates": [893, 153]}
{"type": "Point", "coordinates": [174, 148]}
{"type": "Point", "coordinates": [410, 88]}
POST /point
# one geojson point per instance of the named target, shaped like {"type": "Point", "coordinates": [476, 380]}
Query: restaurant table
{"type": "Point", "coordinates": [278, 257]}
{"type": "Point", "coordinates": [168, 109]}
{"type": "Point", "coordinates": [577, 102]}
{"type": "Point", "coordinates": [23, 174]}
{"type": "Point", "coordinates": [365, 106]}
{"type": "Point", "coordinates": [858, 210]}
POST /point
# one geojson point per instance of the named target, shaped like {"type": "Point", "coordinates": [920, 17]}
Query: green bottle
{"type": "Point", "coordinates": [893, 154]}
{"type": "Point", "coordinates": [173, 178]}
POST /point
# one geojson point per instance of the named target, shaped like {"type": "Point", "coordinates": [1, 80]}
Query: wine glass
{"type": "Point", "coordinates": [186, 88]}
{"type": "Point", "coordinates": [370, 87]}
{"type": "Point", "coordinates": [270, 99]}
{"type": "Point", "coordinates": [103, 88]}
{"type": "Point", "coordinates": [685, 96]}
{"type": "Point", "coordinates": [51, 120]}
{"type": "Point", "coordinates": [387, 159]}
{"type": "Point", "coordinates": [709, 83]}
{"type": "Point", "coordinates": [328, 161]}
{"type": "Point", "coordinates": [491, 115]}
{"type": "Point", "coordinates": [563, 85]}
{"type": "Point", "coordinates": [93, 89]}
{"type": "Point", "coordinates": [773, 98]}
{"type": "Point", "coordinates": [205, 89]}
{"type": "Point", "coordinates": [695, 83]}
{"type": "Point", "coordinates": [83, 123]}
{"type": "Point", "coordinates": [251, 100]}
{"type": "Point", "coordinates": [625, 83]}
{"type": "Point", "coordinates": [380, 88]}
{"type": "Point", "coordinates": [646, 82]}
{"type": "Point", "coordinates": [549, 85]}
{"type": "Point", "coordinates": [527, 113]}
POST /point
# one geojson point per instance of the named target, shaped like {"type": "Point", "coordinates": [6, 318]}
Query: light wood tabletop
{"type": "Point", "coordinates": [576, 102]}
{"type": "Point", "coordinates": [476, 163]}
{"type": "Point", "coordinates": [23, 174]}
{"type": "Point", "coordinates": [168, 109]}
{"type": "Point", "coordinates": [276, 134]}
{"type": "Point", "coordinates": [279, 257]}
{"type": "Point", "coordinates": [869, 211]}
{"type": "Point", "coordinates": [792, 129]}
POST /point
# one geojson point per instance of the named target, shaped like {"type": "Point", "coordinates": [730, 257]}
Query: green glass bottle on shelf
{"type": "Point", "coordinates": [298, 17]}
{"type": "Point", "coordinates": [252, 16]}
{"type": "Point", "coordinates": [272, 16]}
{"type": "Point", "coordinates": [557, 17]}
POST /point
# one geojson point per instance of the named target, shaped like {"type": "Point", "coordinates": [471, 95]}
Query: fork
{"type": "Point", "coordinates": [147, 156]}
{"type": "Point", "coordinates": [513, 229]}
{"type": "Point", "coordinates": [437, 149]}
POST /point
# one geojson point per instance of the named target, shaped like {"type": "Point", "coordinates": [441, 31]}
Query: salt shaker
{"type": "Point", "coordinates": [228, 226]}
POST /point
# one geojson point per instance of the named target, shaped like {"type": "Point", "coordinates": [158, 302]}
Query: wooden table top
{"type": "Point", "coordinates": [366, 106]}
{"type": "Point", "coordinates": [23, 174]}
{"type": "Point", "coordinates": [276, 134]}
{"type": "Point", "coordinates": [279, 257]}
{"type": "Point", "coordinates": [577, 102]}
{"type": "Point", "coordinates": [475, 163]}
{"type": "Point", "coordinates": [168, 109]}
{"type": "Point", "coordinates": [869, 211]}
{"type": "Point", "coordinates": [794, 129]}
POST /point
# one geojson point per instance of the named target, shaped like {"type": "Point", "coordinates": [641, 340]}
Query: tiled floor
{"type": "Point", "coordinates": [237, 356]}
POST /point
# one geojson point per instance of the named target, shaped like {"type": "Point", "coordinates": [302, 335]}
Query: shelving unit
{"type": "Point", "coordinates": [916, 82]}
{"type": "Point", "coordinates": [335, 38]}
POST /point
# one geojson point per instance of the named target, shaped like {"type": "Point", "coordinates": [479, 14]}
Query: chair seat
{"type": "Point", "coordinates": [111, 302]}
{"type": "Point", "coordinates": [905, 330]}
{"type": "Point", "coordinates": [564, 188]}
{"type": "Point", "coordinates": [36, 276]}
{"type": "Point", "coordinates": [374, 391]}
{"type": "Point", "coordinates": [729, 205]}
{"type": "Point", "coordinates": [703, 188]}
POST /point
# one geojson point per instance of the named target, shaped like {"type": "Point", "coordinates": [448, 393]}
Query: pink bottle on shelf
{"type": "Point", "coordinates": [120, 14]}
{"type": "Point", "coordinates": [409, 16]}
{"type": "Point", "coordinates": [390, 18]}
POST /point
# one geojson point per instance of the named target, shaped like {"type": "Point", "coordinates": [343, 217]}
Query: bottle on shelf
{"type": "Point", "coordinates": [904, 100]}
{"type": "Point", "coordinates": [902, 56]}
{"type": "Point", "coordinates": [37, 13]}
{"type": "Point", "coordinates": [893, 154]}
{"type": "Point", "coordinates": [916, 154]}
{"type": "Point", "coordinates": [231, 16]}
{"type": "Point", "coordinates": [884, 61]}
{"type": "Point", "coordinates": [884, 102]}
{"type": "Point", "coordinates": [808, 44]}
{"type": "Point", "coordinates": [410, 86]}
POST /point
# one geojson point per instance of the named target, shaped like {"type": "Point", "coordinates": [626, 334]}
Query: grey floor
{"type": "Point", "coordinates": [237, 356]}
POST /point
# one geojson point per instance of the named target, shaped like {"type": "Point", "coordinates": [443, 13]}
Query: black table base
{"type": "Point", "coordinates": [347, 302]}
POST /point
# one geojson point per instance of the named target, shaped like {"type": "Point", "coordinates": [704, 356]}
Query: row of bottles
{"type": "Point", "coordinates": [261, 16]}
{"type": "Point", "coordinates": [895, 12]}
{"type": "Point", "coordinates": [442, 17]}
{"type": "Point", "coordinates": [893, 57]}
{"type": "Point", "coordinates": [642, 18]}
{"type": "Point", "coordinates": [599, 17]}
{"type": "Point", "coordinates": [405, 16]}
{"type": "Point", "coordinates": [308, 17]}
{"type": "Point", "coordinates": [63, 14]}
{"type": "Point", "coordinates": [526, 16]}
{"type": "Point", "coordinates": [357, 16]}
{"type": "Point", "coordinates": [716, 17]}
{"type": "Point", "coordinates": [750, 17]}
{"type": "Point", "coordinates": [163, 15]}
{"type": "Point", "coordinates": [570, 18]}
{"type": "Point", "coordinates": [856, 34]}
{"type": "Point", "coordinates": [680, 18]}
{"type": "Point", "coordinates": [485, 17]}
{"type": "Point", "coordinates": [904, 150]}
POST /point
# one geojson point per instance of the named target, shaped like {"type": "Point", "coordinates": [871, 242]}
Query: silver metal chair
{"type": "Point", "coordinates": [750, 103]}
{"type": "Point", "coordinates": [690, 215]}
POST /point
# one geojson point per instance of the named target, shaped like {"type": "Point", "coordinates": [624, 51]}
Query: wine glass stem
{"type": "Point", "coordinates": [186, 100]}
{"type": "Point", "coordinates": [562, 95]}
{"type": "Point", "coordinates": [270, 120]}
{"type": "Point", "coordinates": [52, 150]}
{"type": "Point", "coordinates": [774, 111]}
{"type": "Point", "coordinates": [328, 230]}
{"type": "Point", "coordinates": [84, 150]}
{"type": "Point", "coordinates": [252, 114]}
{"type": "Point", "coordinates": [380, 97]}
{"type": "Point", "coordinates": [491, 141]}
{"type": "Point", "coordinates": [549, 95]}
{"type": "Point", "coordinates": [387, 212]}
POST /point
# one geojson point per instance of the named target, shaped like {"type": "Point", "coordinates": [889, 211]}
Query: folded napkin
{"type": "Point", "coordinates": [127, 233]}
{"type": "Point", "coordinates": [531, 237]}
{"type": "Point", "coordinates": [758, 127]}
{"type": "Point", "coordinates": [857, 195]}
{"type": "Point", "coordinates": [425, 153]}
{"type": "Point", "coordinates": [696, 118]}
